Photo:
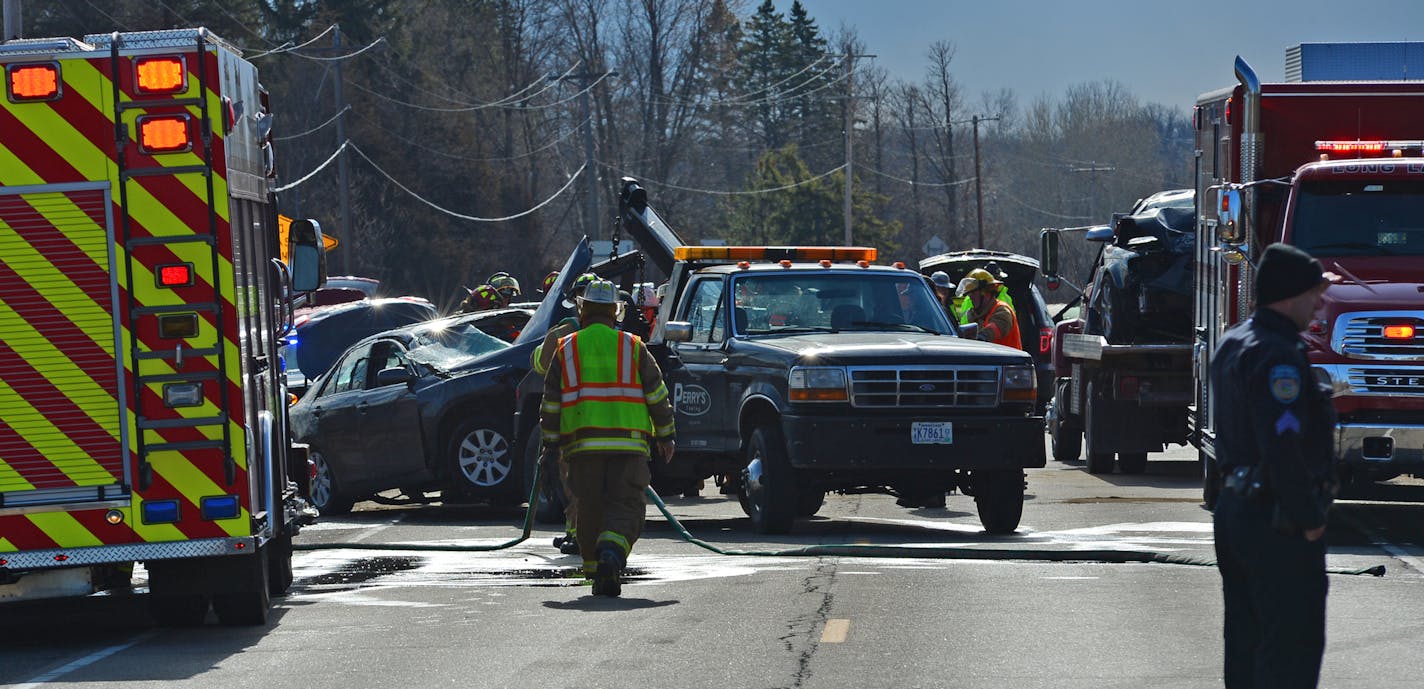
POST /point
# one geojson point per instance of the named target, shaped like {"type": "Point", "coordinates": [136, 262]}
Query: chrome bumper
{"type": "Point", "coordinates": [1379, 445]}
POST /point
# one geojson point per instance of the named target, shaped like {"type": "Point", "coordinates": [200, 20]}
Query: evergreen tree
{"type": "Point", "coordinates": [815, 111]}
{"type": "Point", "coordinates": [811, 213]}
{"type": "Point", "coordinates": [767, 62]}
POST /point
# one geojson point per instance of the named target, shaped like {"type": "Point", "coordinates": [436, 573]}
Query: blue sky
{"type": "Point", "coordinates": [1165, 52]}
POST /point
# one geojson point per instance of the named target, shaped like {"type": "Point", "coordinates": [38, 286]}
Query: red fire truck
{"type": "Point", "coordinates": [1335, 168]}
{"type": "Point", "coordinates": [142, 407]}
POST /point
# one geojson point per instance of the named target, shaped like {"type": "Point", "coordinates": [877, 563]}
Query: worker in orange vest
{"type": "Point", "coordinates": [995, 318]}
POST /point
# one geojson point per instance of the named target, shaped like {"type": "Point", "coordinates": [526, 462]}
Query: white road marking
{"type": "Point", "coordinates": [835, 631]}
{"type": "Point", "coordinates": [90, 659]}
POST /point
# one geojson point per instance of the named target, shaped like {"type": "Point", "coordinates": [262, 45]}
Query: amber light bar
{"type": "Point", "coordinates": [774, 253]}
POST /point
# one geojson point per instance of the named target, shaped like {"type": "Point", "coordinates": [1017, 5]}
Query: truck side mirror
{"type": "Point", "coordinates": [1228, 218]}
{"type": "Point", "coordinates": [1048, 253]}
{"type": "Point", "coordinates": [677, 331]}
{"type": "Point", "coordinates": [308, 255]}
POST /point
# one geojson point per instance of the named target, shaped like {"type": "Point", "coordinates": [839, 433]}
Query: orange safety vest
{"type": "Point", "coordinates": [1011, 338]}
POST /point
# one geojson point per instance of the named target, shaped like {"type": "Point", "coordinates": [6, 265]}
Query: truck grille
{"type": "Point", "coordinates": [1361, 335]}
{"type": "Point", "coordinates": [925, 388]}
{"type": "Point", "coordinates": [1386, 381]}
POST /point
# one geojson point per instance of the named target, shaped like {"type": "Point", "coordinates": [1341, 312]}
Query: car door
{"type": "Point", "coordinates": [335, 418]}
{"type": "Point", "coordinates": [390, 416]}
{"type": "Point", "coordinates": [699, 385]}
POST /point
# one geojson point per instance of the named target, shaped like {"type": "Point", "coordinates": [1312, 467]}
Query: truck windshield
{"type": "Point", "coordinates": [1360, 218]}
{"type": "Point", "coordinates": [836, 301]}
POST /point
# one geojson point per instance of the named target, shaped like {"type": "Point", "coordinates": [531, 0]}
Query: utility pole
{"type": "Point", "coordinates": [585, 81]}
{"type": "Point", "coordinates": [1093, 169]}
{"type": "Point", "coordinates": [348, 235]}
{"type": "Point", "coordinates": [13, 29]}
{"type": "Point", "coordinates": [978, 177]}
{"type": "Point", "coordinates": [849, 129]}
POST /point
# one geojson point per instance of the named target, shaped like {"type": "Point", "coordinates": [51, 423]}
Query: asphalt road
{"type": "Point", "coordinates": [692, 618]}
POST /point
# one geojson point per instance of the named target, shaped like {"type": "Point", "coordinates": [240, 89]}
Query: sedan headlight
{"type": "Point", "coordinates": [818, 384]}
{"type": "Point", "coordinates": [1019, 383]}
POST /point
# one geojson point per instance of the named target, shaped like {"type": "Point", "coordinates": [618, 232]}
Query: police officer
{"type": "Point", "coordinates": [1273, 447]}
{"type": "Point", "coordinates": [604, 400]}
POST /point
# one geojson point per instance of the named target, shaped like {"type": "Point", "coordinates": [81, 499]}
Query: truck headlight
{"type": "Point", "coordinates": [818, 384]}
{"type": "Point", "coordinates": [1019, 383]}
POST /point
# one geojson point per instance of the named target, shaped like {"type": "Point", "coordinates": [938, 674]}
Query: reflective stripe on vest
{"type": "Point", "coordinates": [601, 390]}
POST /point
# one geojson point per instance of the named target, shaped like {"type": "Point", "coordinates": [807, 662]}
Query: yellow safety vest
{"type": "Point", "coordinates": [602, 405]}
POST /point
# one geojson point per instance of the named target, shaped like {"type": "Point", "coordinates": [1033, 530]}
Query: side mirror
{"type": "Point", "coordinates": [1228, 218]}
{"type": "Point", "coordinates": [677, 331]}
{"type": "Point", "coordinates": [1048, 252]}
{"type": "Point", "coordinates": [308, 255]}
{"type": "Point", "coordinates": [969, 331]}
{"type": "Point", "coordinates": [395, 375]}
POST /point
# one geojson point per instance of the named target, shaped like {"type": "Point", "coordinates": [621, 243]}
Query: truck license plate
{"type": "Point", "coordinates": [932, 432]}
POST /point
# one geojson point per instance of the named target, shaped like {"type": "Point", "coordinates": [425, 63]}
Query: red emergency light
{"type": "Point", "coordinates": [160, 75]}
{"type": "Point", "coordinates": [164, 134]}
{"type": "Point", "coordinates": [1350, 146]}
{"type": "Point", "coordinates": [33, 82]}
{"type": "Point", "coordinates": [175, 275]}
{"type": "Point", "coordinates": [1399, 332]}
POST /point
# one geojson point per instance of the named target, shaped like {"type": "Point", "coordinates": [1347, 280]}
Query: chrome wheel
{"type": "Point", "coordinates": [484, 458]}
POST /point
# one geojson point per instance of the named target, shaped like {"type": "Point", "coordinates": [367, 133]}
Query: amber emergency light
{"type": "Point", "coordinates": [160, 75]}
{"type": "Point", "coordinates": [163, 134]}
{"type": "Point", "coordinates": [33, 82]}
{"type": "Point", "coordinates": [774, 253]}
{"type": "Point", "coordinates": [1399, 332]}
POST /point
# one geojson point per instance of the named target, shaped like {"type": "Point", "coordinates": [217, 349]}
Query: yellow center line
{"type": "Point", "coordinates": [835, 631]}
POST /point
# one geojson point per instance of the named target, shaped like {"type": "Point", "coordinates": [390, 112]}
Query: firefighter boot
{"type": "Point", "coordinates": [607, 578]}
{"type": "Point", "coordinates": [567, 543]}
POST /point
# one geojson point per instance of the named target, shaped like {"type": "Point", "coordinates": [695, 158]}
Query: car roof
{"type": "Point", "coordinates": [1172, 198]}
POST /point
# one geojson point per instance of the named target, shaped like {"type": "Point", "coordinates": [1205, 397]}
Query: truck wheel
{"type": "Point", "coordinates": [248, 607]}
{"type": "Point", "coordinates": [768, 495]}
{"type": "Point", "coordinates": [325, 493]}
{"type": "Point", "coordinates": [279, 565]}
{"type": "Point", "coordinates": [809, 502]}
{"type": "Point", "coordinates": [1099, 462]}
{"type": "Point", "coordinates": [1132, 462]}
{"type": "Point", "coordinates": [999, 497]}
{"type": "Point", "coordinates": [548, 503]}
{"type": "Point", "coordinates": [1067, 444]}
{"type": "Point", "coordinates": [1211, 480]}
{"type": "Point", "coordinates": [480, 458]}
{"type": "Point", "coordinates": [178, 610]}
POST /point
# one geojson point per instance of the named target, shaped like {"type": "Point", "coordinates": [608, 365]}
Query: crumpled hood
{"type": "Point", "coordinates": [866, 348]}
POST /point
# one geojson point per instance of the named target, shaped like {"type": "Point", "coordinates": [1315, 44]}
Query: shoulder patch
{"type": "Point", "coordinates": [1285, 383]}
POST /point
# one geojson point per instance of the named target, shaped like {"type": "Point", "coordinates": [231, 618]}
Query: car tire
{"type": "Point", "coordinates": [481, 459]}
{"type": "Point", "coordinates": [999, 497]}
{"type": "Point", "coordinates": [1066, 441]}
{"type": "Point", "coordinates": [768, 493]}
{"type": "Point", "coordinates": [279, 565]}
{"type": "Point", "coordinates": [1098, 461]}
{"type": "Point", "coordinates": [1132, 462]}
{"type": "Point", "coordinates": [326, 487]}
{"type": "Point", "coordinates": [548, 502]}
{"type": "Point", "coordinates": [809, 502]}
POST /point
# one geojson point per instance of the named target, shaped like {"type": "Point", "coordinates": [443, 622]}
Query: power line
{"type": "Point", "coordinates": [286, 47]}
{"type": "Point", "coordinates": [913, 183]}
{"type": "Point", "coordinates": [1036, 209]}
{"type": "Point", "coordinates": [719, 192]}
{"type": "Point", "coordinates": [471, 108]}
{"type": "Point", "coordinates": [572, 178]}
{"type": "Point", "coordinates": [313, 130]}
{"type": "Point", "coordinates": [338, 58]}
{"type": "Point", "coordinates": [493, 159]}
{"type": "Point", "coordinates": [510, 101]}
{"type": "Point", "coordinates": [319, 168]}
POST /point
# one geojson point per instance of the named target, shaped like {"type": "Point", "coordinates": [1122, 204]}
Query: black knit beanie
{"type": "Point", "coordinates": [1284, 272]}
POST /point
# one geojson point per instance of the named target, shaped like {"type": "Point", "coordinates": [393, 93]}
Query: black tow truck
{"type": "Point", "coordinates": [804, 370]}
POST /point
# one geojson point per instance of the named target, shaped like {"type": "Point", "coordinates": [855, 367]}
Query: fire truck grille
{"type": "Point", "coordinates": [1387, 381]}
{"type": "Point", "coordinates": [925, 388]}
{"type": "Point", "coordinates": [1380, 335]}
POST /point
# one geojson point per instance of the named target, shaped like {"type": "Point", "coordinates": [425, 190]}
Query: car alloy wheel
{"type": "Point", "coordinates": [484, 458]}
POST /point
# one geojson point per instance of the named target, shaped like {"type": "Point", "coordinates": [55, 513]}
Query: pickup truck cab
{"type": "Point", "coordinates": [807, 370]}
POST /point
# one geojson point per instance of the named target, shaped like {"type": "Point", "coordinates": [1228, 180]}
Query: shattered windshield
{"type": "Point", "coordinates": [1360, 218]}
{"type": "Point", "coordinates": [452, 342]}
{"type": "Point", "coordinates": [836, 301]}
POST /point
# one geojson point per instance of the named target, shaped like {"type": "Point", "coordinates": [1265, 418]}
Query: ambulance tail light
{"type": "Point", "coordinates": [165, 134]}
{"type": "Point", "coordinates": [818, 384]}
{"type": "Point", "coordinates": [161, 75]}
{"type": "Point", "coordinates": [33, 82]}
{"type": "Point", "coordinates": [774, 253]}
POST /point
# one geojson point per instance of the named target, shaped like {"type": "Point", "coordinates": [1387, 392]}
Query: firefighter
{"type": "Point", "coordinates": [996, 319]}
{"type": "Point", "coordinates": [506, 285]}
{"type": "Point", "coordinates": [992, 268]}
{"type": "Point", "coordinates": [539, 361]}
{"type": "Point", "coordinates": [483, 298]}
{"type": "Point", "coordinates": [548, 282]}
{"type": "Point", "coordinates": [604, 400]}
{"type": "Point", "coordinates": [1274, 449]}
